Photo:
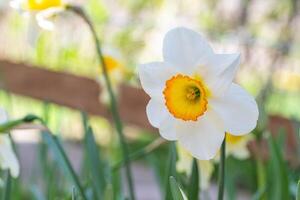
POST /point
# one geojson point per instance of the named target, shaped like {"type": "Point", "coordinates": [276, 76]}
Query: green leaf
{"type": "Point", "coordinates": [175, 189]}
{"type": "Point", "coordinates": [7, 191]}
{"type": "Point", "coordinates": [109, 193]}
{"type": "Point", "coordinates": [278, 176]}
{"type": "Point", "coordinates": [259, 195]}
{"type": "Point", "coordinates": [298, 191]}
{"type": "Point", "coordinates": [13, 123]}
{"type": "Point", "coordinates": [99, 169]}
{"type": "Point", "coordinates": [74, 193]}
{"type": "Point", "coordinates": [193, 188]}
{"type": "Point", "coordinates": [62, 158]}
{"type": "Point", "coordinates": [171, 170]}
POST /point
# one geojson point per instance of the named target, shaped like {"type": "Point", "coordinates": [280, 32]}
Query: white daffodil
{"type": "Point", "coordinates": [42, 10]}
{"type": "Point", "coordinates": [8, 159]}
{"type": "Point", "coordinates": [237, 146]}
{"type": "Point", "coordinates": [116, 72]}
{"type": "Point", "coordinates": [193, 97]}
{"type": "Point", "coordinates": [205, 167]}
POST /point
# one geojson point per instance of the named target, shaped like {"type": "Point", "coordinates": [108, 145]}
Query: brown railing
{"type": "Point", "coordinates": [72, 91]}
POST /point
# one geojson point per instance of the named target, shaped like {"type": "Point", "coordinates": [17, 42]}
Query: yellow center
{"type": "Point", "coordinates": [185, 97]}
{"type": "Point", "coordinates": [232, 139]}
{"type": "Point", "coordinates": [42, 4]}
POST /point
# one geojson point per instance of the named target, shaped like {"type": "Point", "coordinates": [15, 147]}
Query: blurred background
{"type": "Point", "coordinates": [266, 33]}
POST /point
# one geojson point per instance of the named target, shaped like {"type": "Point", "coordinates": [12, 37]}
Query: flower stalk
{"type": "Point", "coordinates": [222, 170]}
{"type": "Point", "coordinates": [11, 124]}
{"type": "Point", "coordinates": [113, 101]}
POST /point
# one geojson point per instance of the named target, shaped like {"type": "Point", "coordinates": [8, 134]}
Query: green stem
{"type": "Point", "coordinates": [113, 102]}
{"type": "Point", "coordinates": [141, 153]}
{"type": "Point", "coordinates": [11, 124]}
{"type": "Point", "coordinates": [222, 171]}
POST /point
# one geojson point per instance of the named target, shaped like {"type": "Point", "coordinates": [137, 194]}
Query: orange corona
{"type": "Point", "coordinates": [185, 97]}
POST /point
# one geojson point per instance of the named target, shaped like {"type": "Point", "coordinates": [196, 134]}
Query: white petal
{"type": "Point", "coordinates": [241, 154]}
{"type": "Point", "coordinates": [156, 112]}
{"type": "Point", "coordinates": [203, 138]}
{"type": "Point", "coordinates": [44, 17]}
{"type": "Point", "coordinates": [185, 160]}
{"type": "Point", "coordinates": [16, 4]}
{"type": "Point", "coordinates": [238, 110]}
{"type": "Point", "coordinates": [206, 169]}
{"type": "Point", "coordinates": [8, 159]}
{"type": "Point", "coordinates": [220, 72]}
{"type": "Point", "coordinates": [185, 49]}
{"type": "Point", "coordinates": [153, 77]}
{"type": "Point", "coordinates": [159, 117]}
{"type": "Point", "coordinates": [167, 128]}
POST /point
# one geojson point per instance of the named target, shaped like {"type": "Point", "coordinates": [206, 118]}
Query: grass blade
{"type": "Point", "coordinates": [193, 188]}
{"type": "Point", "coordinates": [99, 169]}
{"type": "Point", "coordinates": [61, 156]}
{"type": "Point", "coordinates": [7, 191]}
{"type": "Point", "coordinates": [298, 191]}
{"type": "Point", "coordinates": [175, 190]}
{"type": "Point", "coordinates": [171, 170]}
{"type": "Point", "coordinates": [279, 183]}
{"type": "Point", "coordinates": [74, 193]}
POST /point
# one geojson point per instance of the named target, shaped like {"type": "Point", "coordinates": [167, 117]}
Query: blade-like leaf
{"type": "Point", "coordinates": [279, 183]}
{"type": "Point", "coordinates": [171, 170]}
{"type": "Point", "coordinates": [298, 191]}
{"type": "Point", "coordinates": [62, 158]}
{"type": "Point", "coordinates": [99, 169]}
{"type": "Point", "coordinates": [175, 190]}
{"type": "Point", "coordinates": [74, 194]}
{"type": "Point", "coordinates": [193, 188]}
{"type": "Point", "coordinates": [7, 189]}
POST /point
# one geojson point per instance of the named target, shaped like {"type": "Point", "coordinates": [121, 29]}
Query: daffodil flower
{"type": "Point", "coordinates": [205, 167]}
{"type": "Point", "coordinates": [8, 159]}
{"type": "Point", "coordinates": [193, 97]}
{"type": "Point", "coordinates": [236, 146]}
{"type": "Point", "coordinates": [116, 72]}
{"type": "Point", "coordinates": [43, 10]}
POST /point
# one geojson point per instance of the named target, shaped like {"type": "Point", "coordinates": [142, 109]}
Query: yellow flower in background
{"type": "Point", "coordinates": [287, 80]}
{"type": "Point", "coordinates": [193, 97]}
{"type": "Point", "coordinates": [8, 159]}
{"type": "Point", "coordinates": [237, 146]}
{"type": "Point", "coordinates": [117, 74]}
{"type": "Point", "coordinates": [205, 167]}
{"type": "Point", "coordinates": [37, 5]}
{"type": "Point", "coordinates": [42, 10]}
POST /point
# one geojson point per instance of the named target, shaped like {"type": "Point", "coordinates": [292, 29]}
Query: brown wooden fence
{"type": "Point", "coordinates": [71, 91]}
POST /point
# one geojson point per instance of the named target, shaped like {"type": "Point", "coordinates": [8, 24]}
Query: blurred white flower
{"type": "Point", "coordinates": [8, 159]}
{"type": "Point", "coordinates": [205, 167]}
{"type": "Point", "coordinates": [116, 72]}
{"type": "Point", "coordinates": [193, 98]}
{"type": "Point", "coordinates": [237, 146]}
{"type": "Point", "coordinates": [43, 10]}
